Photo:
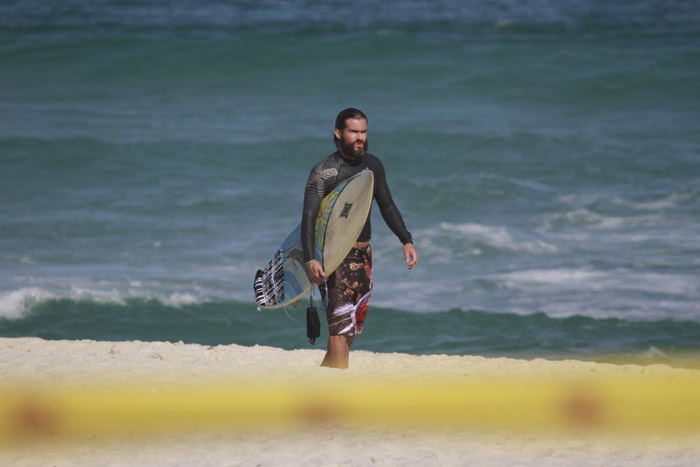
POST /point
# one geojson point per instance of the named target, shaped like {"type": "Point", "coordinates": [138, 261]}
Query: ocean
{"type": "Point", "coordinates": [545, 154]}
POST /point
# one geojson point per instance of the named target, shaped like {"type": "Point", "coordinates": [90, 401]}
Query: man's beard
{"type": "Point", "coordinates": [350, 150]}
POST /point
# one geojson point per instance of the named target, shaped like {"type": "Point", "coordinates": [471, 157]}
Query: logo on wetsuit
{"type": "Point", "coordinates": [346, 210]}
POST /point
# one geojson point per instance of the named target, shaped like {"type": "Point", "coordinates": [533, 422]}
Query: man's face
{"type": "Point", "coordinates": [353, 139]}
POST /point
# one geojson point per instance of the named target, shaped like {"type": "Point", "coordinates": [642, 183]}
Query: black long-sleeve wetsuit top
{"type": "Point", "coordinates": [330, 172]}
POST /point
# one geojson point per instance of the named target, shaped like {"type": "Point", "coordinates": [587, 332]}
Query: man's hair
{"type": "Point", "coordinates": [343, 116]}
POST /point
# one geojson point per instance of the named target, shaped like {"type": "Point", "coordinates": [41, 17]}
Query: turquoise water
{"type": "Point", "coordinates": [544, 155]}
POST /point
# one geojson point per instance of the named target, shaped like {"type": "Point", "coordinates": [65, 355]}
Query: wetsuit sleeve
{"type": "Point", "coordinates": [313, 195]}
{"type": "Point", "coordinates": [389, 211]}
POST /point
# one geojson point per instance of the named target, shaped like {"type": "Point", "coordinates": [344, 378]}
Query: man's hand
{"type": "Point", "coordinates": [411, 255]}
{"type": "Point", "coordinates": [316, 272]}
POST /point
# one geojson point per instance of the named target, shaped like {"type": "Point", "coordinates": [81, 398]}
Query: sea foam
{"type": "Point", "coordinates": [16, 303]}
{"type": "Point", "coordinates": [496, 237]}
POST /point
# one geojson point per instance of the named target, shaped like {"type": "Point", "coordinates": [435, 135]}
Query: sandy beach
{"type": "Point", "coordinates": [75, 368]}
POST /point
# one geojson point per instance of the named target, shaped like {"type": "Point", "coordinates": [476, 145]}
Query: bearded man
{"type": "Point", "coordinates": [350, 286]}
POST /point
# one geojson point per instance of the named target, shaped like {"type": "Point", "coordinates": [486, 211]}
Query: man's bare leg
{"type": "Point", "coordinates": [338, 351]}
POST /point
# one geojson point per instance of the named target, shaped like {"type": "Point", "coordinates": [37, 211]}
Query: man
{"type": "Point", "coordinates": [350, 286]}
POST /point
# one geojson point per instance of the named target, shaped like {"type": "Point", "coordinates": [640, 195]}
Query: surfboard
{"type": "Point", "coordinates": [340, 220]}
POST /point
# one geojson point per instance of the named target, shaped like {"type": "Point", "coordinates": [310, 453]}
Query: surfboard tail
{"type": "Point", "coordinates": [258, 288]}
{"type": "Point", "coordinates": [268, 284]}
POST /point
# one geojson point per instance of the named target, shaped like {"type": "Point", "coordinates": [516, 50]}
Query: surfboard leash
{"type": "Point", "coordinates": [313, 323]}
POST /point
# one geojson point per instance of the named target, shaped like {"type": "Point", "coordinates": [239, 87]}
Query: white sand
{"type": "Point", "coordinates": [80, 365]}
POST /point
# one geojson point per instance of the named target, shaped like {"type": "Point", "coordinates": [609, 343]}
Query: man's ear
{"type": "Point", "coordinates": [337, 134]}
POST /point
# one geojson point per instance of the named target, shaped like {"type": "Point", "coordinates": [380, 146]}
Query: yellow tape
{"type": "Point", "coordinates": [618, 404]}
